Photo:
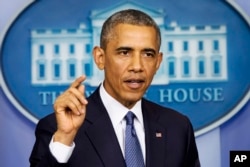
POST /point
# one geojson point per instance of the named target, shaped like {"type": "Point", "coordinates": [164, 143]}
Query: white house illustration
{"type": "Point", "coordinates": [191, 53]}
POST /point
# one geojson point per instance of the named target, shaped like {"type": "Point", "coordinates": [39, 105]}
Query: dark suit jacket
{"type": "Point", "coordinates": [97, 145]}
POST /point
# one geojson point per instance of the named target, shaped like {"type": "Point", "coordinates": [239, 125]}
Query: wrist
{"type": "Point", "coordinates": [64, 138]}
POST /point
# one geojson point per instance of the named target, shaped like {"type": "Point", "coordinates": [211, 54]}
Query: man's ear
{"type": "Point", "coordinates": [99, 57]}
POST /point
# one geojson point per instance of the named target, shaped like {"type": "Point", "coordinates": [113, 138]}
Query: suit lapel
{"type": "Point", "coordinates": [102, 135]}
{"type": "Point", "coordinates": [155, 136]}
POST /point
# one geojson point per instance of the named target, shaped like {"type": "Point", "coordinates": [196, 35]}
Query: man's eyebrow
{"type": "Point", "coordinates": [149, 50]}
{"type": "Point", "coordinates": [130, 48]}
{"type": "Point", "coordinates": [123, 48]}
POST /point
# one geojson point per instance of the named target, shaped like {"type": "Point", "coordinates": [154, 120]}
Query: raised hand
{"type": "Point", "coordinates": [70, 110]}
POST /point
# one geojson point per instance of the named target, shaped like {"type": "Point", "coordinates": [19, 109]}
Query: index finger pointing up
{"type": "Point", "coordinates": [78, 81]}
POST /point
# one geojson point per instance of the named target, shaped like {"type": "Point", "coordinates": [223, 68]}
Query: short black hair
{"type": "Point", "coordinates": [128, 16]}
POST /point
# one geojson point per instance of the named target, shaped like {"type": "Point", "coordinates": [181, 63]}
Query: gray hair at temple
{"type": "Point", "coordinates": [129, 16]}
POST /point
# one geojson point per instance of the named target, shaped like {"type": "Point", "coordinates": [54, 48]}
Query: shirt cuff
{"type": "Point", "coordinates": [60, 151]}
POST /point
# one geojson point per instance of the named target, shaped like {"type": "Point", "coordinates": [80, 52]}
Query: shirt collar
{"type": "Point", "coordinates": [116, 110]}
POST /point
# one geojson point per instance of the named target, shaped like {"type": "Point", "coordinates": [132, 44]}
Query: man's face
{"type": "Point", "coordinates": [130, 61]}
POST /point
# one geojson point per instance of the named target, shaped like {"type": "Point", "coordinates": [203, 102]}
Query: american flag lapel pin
{"type": "Point", "coordinates": [158, 134]}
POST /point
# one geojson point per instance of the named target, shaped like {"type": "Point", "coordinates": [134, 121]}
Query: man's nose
{"type": "Point", "coordinates": [137, 63]}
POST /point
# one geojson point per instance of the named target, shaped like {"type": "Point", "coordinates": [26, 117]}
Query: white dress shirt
{"type": "Point", "coordinates": [116, 113]}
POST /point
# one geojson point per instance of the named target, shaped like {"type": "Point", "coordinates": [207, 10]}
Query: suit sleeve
{"type": "Point", "coordinates": [41, 155]}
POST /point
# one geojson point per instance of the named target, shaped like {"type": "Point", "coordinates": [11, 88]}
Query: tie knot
{"type": "Point", "coordinates": [130, 118]}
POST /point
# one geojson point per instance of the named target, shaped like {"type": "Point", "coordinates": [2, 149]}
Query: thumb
{"type": "Point", "coordinates": [81, 88]}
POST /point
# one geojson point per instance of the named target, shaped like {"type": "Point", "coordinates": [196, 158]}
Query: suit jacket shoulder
{"type": "Point", "coordinates": [165, 116]}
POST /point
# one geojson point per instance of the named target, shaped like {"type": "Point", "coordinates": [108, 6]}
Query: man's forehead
{"type": "Point", "coordinates": [123, 28]}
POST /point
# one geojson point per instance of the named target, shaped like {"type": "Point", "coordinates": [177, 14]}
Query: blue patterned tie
{"type": "Point", "coordinates": [133, 153]}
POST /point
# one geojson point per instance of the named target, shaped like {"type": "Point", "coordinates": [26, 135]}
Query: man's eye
{"type": "Point", "coordinates": [149, 54]}
{"type": "Point", "coordinates": [124, 52]}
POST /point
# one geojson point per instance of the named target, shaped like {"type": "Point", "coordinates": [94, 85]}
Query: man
{"type": "Point", "coordinates": [92, 132]}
